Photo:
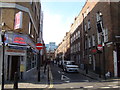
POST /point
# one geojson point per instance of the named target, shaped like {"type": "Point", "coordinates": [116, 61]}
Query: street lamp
{"type": "Point", "coordinates": [3, 44]}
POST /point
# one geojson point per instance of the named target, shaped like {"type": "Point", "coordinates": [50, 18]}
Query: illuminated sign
{"type": "Point", "coordinates": [18, 39]}
{"type": "Point", "coordinates": [18, 20]}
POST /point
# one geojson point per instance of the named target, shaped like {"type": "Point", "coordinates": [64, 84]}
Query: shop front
{"type": "Point", "coordinates": [16, 55]}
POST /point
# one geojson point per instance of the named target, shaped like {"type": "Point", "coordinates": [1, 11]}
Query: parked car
{"type": "Point", "coordinates": [70, 66]}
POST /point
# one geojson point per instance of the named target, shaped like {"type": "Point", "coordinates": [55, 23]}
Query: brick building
{"type": "Point", "coordinates": [99, 26]}
{"type": "Point", "coordinates": [20, 23]}
{"type": "Point", "coordinates": [94, 38]}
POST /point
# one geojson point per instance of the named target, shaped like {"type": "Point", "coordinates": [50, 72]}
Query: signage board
{"type": "Point", "coordinates": [18, 20]}
{"type": "Point", "coordinates": [99, 47]}
{"type": "Point", "coordinates": [39, 46]}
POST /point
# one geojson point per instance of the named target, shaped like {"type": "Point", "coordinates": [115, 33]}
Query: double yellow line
{"type": "Point", "coordinates": [51, 79]}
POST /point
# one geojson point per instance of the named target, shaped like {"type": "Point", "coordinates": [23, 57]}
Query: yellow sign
{"type": "Point", "coordinates": [22, 68]}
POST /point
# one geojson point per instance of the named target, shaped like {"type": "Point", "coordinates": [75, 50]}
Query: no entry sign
{"type": "Point", "coordinates": [39, 46]}
{"type": "Point", "coordinates": [100, 47]}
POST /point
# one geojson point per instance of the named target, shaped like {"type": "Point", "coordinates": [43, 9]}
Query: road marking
{"type": "Point", "coordinates": [51, 79]}
{"type": "Point", "coordinates": [88, 87]}
{"type": "Point", "coordinates": [63, 77]}
{"type": "Point", "coordinates": [58, 71]}
{"type": "Point", "coordinates": [116, 87]}
{"type": "Point", "coordinates": [104, 87]}
{"type": "Point", "coordinates": [51, 85]}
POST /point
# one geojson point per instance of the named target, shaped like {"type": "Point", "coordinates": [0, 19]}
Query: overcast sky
{"type": "Point", "coordinates": [58, 16]}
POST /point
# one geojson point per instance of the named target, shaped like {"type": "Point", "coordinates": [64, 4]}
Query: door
{"type": "Point", "coordinates": [15, 67]}
{"type": "Point", "coordinates": [118, 58]}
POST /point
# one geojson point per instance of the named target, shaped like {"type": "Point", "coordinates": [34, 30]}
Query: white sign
{"type": "Point", "coordinates": [18, 20]}
{"type": "Point", "coordinates": [15, 52]}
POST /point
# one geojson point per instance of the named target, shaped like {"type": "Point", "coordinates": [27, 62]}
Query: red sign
{"type": "Point", "coordinates": [18, 20]}
{"type": "Point", "coordinates": [94, 51]}
{"type": "Point", "coordinates": [39, 46]}
{"type": "Point", "coordinates": [99, 47]}
{"type": "Point", "coordinates": [19, 40]}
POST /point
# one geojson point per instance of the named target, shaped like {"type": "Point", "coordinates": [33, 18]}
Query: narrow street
{"type": "Point", "coordinates": [74, 81]}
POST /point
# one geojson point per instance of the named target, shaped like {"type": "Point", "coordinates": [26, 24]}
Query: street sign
{"type": "Point", "coordinates": [39, 46]}
{"type": "Point", "coordinates": [99, 47]}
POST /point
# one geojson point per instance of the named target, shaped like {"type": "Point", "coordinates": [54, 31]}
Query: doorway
{"type": "Point", "coordinates": [118, 58]}
{"type": "Point", "coordinates": [15, 66]}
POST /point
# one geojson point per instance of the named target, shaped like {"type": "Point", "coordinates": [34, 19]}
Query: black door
{"type": "Point", "coordinates": [14, 66]}
{"type": "Point", "coordinates": [118, 59]}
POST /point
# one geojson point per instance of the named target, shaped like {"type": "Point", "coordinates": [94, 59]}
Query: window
{"type": "Point", "coordinates": [90, 59]}
{"type": "Point", "coordinates": [85, 14]}
{"type": "Point", "coordinates": [99, 27]}
{"type": "Point", "coordinates": [31, 2]}
{"type": "Point", "coordinates": [93, 40]}
{"type": "Point", "coordinates": [105, 35]}
{"type": "Point", "coordinates": [98, 16]}
{"type": "Point", "coordinates": [85, 27]}
{"type": "Point", "coordinates": [89, 42]}
{"type": "Point", "coordinates": [88, 24]}
{"type": "Point", "coordinates": [79, 46]}
{"type": "Point", "coordinates": [30, 26]}
{"type": "Point", "coordinates": [86, 44]}
{"type": "Point", "coordinates": [78, 33]}
{"type": "Point", "coordinates": [88, 10]}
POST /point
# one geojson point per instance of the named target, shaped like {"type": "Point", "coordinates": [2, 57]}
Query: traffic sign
{"type": "Point", "coordinates": [99, 47]}
{"type": "Point", "coordinates": [39, 46]}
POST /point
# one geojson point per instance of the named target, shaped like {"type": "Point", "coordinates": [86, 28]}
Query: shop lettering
{"type": "Point", "coordinates": [19, 40]}
{"type": "Point", "coordinates": [15, 51]}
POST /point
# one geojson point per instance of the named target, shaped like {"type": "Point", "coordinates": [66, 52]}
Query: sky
{"type": "Point", "coordinates": [58, 17]}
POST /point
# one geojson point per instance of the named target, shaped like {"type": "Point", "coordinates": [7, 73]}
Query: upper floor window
{"type": "Point", "coordinates": [85, 14]}
{"type": "Point", "coordinates": [93, 40]}
{"type": "Point", "coordinates": [30, 26]}
{"type": "Point", "coordinates": [78, 33]}
{"type": "Point", "coordinates": [89, 42]}
{"type": "Point", "coordinates": [88, 10]}
{"type": "Point", "coordinates": [88, 24]}
{"type": "Point", "coordinates": [85, 27]}
{"type": "Point", "coordinates": [86, 44]}
{"type": "Point", "coordinates": [99, 16]}
{"type": "Point", "coordinates": [31, 2]}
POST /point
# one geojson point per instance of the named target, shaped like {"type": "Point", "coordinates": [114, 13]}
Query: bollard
{"type": "Point", "coordinates": [16, 80]}
{"type": "Point", "coordinates": [48, 76]}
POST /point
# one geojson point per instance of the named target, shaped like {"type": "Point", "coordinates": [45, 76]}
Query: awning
{"type": "Point", "coordinates": [15, 40]}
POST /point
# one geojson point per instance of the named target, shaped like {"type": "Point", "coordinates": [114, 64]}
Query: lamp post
{"type": "Point", "coordinates": [3, 44]}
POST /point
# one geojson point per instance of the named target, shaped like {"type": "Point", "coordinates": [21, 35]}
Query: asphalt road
{"type": "Point", "coordinates": [77, 81]}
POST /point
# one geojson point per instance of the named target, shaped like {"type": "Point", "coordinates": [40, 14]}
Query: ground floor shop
{"type": "Point", "coordinates": [20, 56]}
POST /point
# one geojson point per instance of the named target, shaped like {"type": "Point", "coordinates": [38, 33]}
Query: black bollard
{"type": "Point", "coordinates": [48, 76]}
{"type": "Point", "coordinates": [16, 80]}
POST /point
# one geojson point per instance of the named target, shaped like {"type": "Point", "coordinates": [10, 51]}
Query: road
{"type": "Point", "coordinates": [77, 81]}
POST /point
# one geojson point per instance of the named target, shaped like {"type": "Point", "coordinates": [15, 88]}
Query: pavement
{"type": "Point", "coordinates": [31, 82]}
{"type": "Point", "coordinates": [95, 76]}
